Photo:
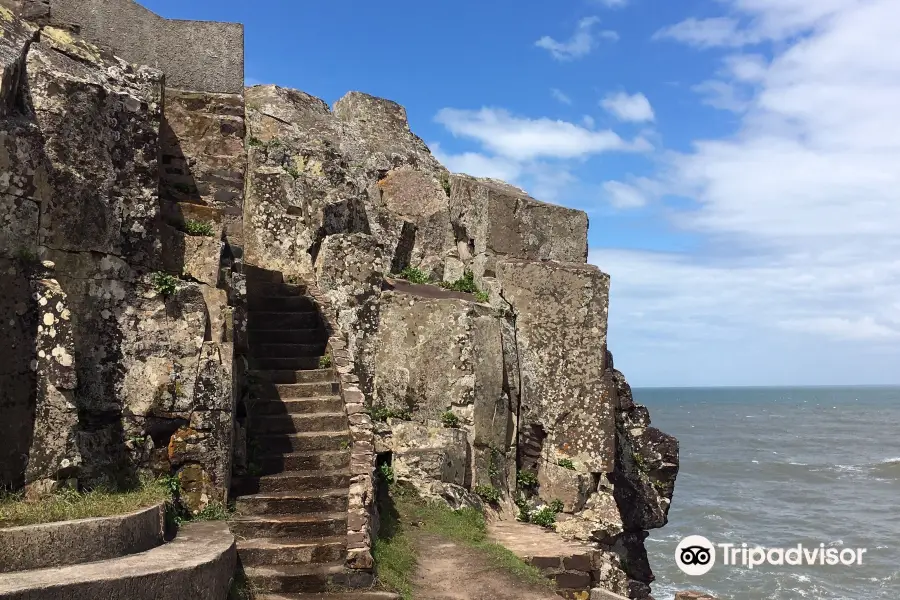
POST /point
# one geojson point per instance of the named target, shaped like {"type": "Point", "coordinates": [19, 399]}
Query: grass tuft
{"type": "Point", "coordinates": [450, 420]}
{"type": "Point", "coordinates": [199, 228]}
{"type": "Point", "coordinates": [414, 275]}
{"type": "Point", "coordinates": [69, 504]}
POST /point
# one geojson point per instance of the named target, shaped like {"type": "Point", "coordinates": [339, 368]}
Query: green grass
{"type": "Point", "coordinates": [566, 463]}
{"type": "Point", "coordinates": [394, 548]}
{"type": "Point", "coordinates": [325, 361]}
{"type": "Point", "coordinates": [70, 504]}
{"type": "Point", "coordinates": [488, 493]}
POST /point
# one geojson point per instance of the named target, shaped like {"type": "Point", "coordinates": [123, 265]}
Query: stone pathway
{"type": "Point", "coordinates": [449, 571]}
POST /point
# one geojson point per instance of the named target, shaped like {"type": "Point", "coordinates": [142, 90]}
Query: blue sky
{"type": "Point", "coordinates": [738, 158]}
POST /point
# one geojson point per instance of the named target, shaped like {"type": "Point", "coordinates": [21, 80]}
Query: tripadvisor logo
{"type": "Point", "coordinates": [695, 555]}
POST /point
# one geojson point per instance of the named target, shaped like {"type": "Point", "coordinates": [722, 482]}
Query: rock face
{"type": "Point", "coordinates": [117, 354]}
{"type": "Point", "coordinates": [464, 394]}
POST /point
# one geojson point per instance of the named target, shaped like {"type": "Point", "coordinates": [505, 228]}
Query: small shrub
{"type": "Point", "coordinates": [164, 283]}
{"type": "Point", "coordinates": [445, 183]}
{"type": "Point", "coordinates": [27, 256]}
{"type": "Point", "coordinates": [488, 493]}
{"type": "Point", "coordinates": [524, 509]}
{"type": "Point", "coordinates": [293, 172]}
{"type": "Point", "coordinates": [557, 506]}
{"type": "Point", "coordinates": [214, 511]}
{"type": "Point", "coordinates": [386, 472]}
{"type": "Point", "coordinates": [639, 462]}
{"type": "Point", "coordinates": [199, 228]}
{"type": "Point", "coordinates": [465, 284]}
{"type": "Point", "coordinates": [546, 517]}
{"type": "Point", "coordinates": [325, 362]}
{"type": "Point", "coordinates": [566, 463]}
{"type": "Point", "coordinates": [383, 413]}
{"type": "Point", "coordinates": [255, 142]}
{"type": "Point", "coordinates": [345, 444]}
{"type": "Point", "coordinates": [450, 420]}
{"type": "Point", "coordinates": [414, 275]}
{"type": "Point", "coordinates": [482, 296]}
{"type": "Point", "coordinates": [527, 479]}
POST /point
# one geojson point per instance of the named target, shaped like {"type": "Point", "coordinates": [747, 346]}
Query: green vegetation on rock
{"type": "Point", "coordinates": [450, 420]}
{"type": "Point", "coordinates": [164, 283]}
{"type": "Point", "coordinates": [566, 463]}
{"type": "Point", "coordinates": [488, 493]}
{"type": "Point", "coordinates": [200, 228]}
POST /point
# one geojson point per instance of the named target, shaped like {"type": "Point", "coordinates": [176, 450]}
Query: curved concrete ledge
{"type": "Point", "coordinates": [198, 565]}
{"type": "Point", "coordinates": [80, 541]}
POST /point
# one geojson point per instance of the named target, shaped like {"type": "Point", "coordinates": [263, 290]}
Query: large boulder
{"type": "Point", "coordinates": [561, 321]}
{"type": "Point", "coordinates": [492, 220]}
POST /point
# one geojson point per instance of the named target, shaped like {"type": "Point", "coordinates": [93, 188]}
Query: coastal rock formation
{"type": "Point", "coordinates": [201, 280]}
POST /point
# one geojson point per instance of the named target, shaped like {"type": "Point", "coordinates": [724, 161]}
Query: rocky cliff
{"type": "Point", "coordinates": [131, 213]}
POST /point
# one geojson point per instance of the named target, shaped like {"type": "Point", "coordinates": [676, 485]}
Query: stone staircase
{"type": "Point", "coordinates": [291, 522]}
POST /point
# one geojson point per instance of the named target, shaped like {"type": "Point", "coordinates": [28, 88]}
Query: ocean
{"type": "Point", "coordinates": [777, 467]}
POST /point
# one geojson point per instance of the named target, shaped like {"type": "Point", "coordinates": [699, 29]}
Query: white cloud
{"type": "Point", "coordinates": [635, 108]}
{"type": "Point", "coordinates": [560, 96]}
{"type": "Point", "coordinates": [795, 216]}
{"type": "Point", "coordinates": [478, 165]}
{"type": "Point", "coordinates": [582, 42]}
{"type": "Point", "coordinates": [622, 195]}
{"type": "Point", "coordinates": [524, 139]}
{"type": "Point", "coordinates": [723, 95]}
{"type": "Point", "coordinates": [612, 3]}
{"type": "Point", "coordinates": [705, 33]}
{"type": "Point", "coordinates": [588, 121]}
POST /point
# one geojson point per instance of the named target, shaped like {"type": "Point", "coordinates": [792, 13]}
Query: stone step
{"type": "Point", "coordinates": [296, 363]}
{"type": "Point", "coordinates": [286, 551]}
{"type": "Point", "coordinates": [280, 303]}
{"type": "Point", "coordinates": [268, 350]}
{"type": "Point", "coordinates": [349, 595]}
{"type": "Point", "coordinates": [259, 288]}
{"type": "Point", "coordinates": [312, 389]}
{"type": "Point", "coordinates": [258, 275]}
{"type": "Point", "coordinates": [264, 380]}
{"type": "Point", "coordinates": [260, 320]}
{"type": "Point", "coordinates": [200, 559]}
{"type": "Point", "coordinates": [291, 481]}
{"type": "Point", "coordinates": [293, 406]}
{"type": "Point", "coordinates": [312, 525]}
{"type": "Point", "coordinates": [292, 503]}
{"type": "Point", "coordinates": [304, 461]}
{"type": "Point", "coordinates": [272, 387]}
{"type": "Point", "coordinates": [299, 423]}
{"type": "Point", "coordinates": [302, 442]}
{"type": "Point", "coordinates": [286, 336]}
{"type": "Point", "coordinates": [297, 578]}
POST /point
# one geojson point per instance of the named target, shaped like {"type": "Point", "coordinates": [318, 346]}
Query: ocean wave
{"type": "Point", "coordinates": [887, 469]}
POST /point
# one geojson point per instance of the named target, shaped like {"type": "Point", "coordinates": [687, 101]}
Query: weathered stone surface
{"type": "Point", "coordinates": [54, 454]}
{"type": "Point", "coordinates": [693, 596]}
{"type": "Point", "coordinates": [561, 316]}
{"type": "Point", "coordinates": [349, 270]}
{"type": "Point", "coordinates": [378, 137]}
{"type": "Point", "coordinates": [412, 204]}
{"type": "Point", "coordinates": [435, 355]}
{"type": "Point", "coordinates": [100, 120]}
{"type": "Point", "coordinates": [191, 256]}
{"type": "Point", "coordinates": [18, 317]}
{"type": "Point", "coordinates": [203, 158]}
{"type": "Point", "coordinates": [81, 541]}
{"type": "Point", "coordinates": [300, 188]}
{"type": "Point", "coordinates": [426, 453]}
{"type": "Point", "coordinates": [14, 40]}
{"type": "Point", "coordinates": [571, 487]}
{"type": "Point", "coordinates": [493, 220]}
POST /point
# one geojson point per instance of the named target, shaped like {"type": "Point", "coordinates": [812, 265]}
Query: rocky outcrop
{"type": "Point", "coordinates": [120, 357]}
{"type": "Point", "coordinates": [464, 394]}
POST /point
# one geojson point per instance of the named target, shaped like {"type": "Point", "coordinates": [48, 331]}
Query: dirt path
{"type": "Point", "coordinates": [449, 571]}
